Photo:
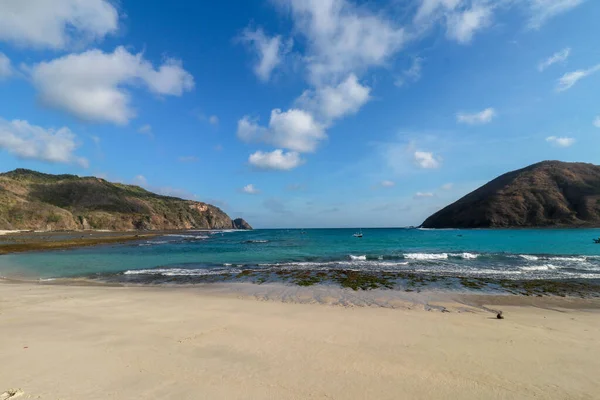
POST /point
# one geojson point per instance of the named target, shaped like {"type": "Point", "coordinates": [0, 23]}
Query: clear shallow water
{"type": "Point", "coordinates": [506, 254]}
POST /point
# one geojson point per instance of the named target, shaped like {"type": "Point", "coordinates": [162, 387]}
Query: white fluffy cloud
{"type": "Point", "coordinates": [301, 129]}
{"type": "Point", "coordinates": [91, 85]}
{"type": "Point", "coordinates": [250, 189]}
{"type": "Point", "coordinates": [568, 80]}
{"type": "Point", "coordinates": [56, 24]}
{"type": "Point", "coordinates": [275, 160]}
{"type": "Point", "coordinates": [597, 122]}
{"type": "Point", "coordinates": [462, 18]}
{"type": "Point", "coordinates": [333, 102]}
{"type": "Point", "coordinates": [560, 141]}
{"type": "Point", "coordinates": [33, 142]}
{"type": "Point", "coordinates": [5, 67]}
{"type": "Point", "coordinates": [269, 51]}
{"type": "Point", "coordinates": [295, 130]}
{"type": "Point", "coordinates": [342, 38]}
{"type": "Point", "coordinates": [478, 118]}
{"type": "Point", "coordinates": [558, 57]}
{"type": "Point", "coordinates": [462, 26]}
{"type": "Point", "coordinates": [426, 160]}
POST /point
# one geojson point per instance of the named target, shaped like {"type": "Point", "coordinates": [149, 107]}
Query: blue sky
{"type": "Point", "coordinates": [300, 113]}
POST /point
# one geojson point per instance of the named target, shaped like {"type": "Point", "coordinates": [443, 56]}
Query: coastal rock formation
{"type": "Point", "coordinates": [547, 194]}
{"type": "Point", "coordinates": [240, 223]}
{"type": "Point", "coordinates": [33, 200]}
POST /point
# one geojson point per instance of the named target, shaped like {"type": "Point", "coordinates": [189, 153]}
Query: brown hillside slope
{"type": "Point", "coordinates": [547, 194]}
{"type": "Point", "coordinates": [33, 200]}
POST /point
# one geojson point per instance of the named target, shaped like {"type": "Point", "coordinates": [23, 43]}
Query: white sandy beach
{"type": "Point", "coordinates": [66, 342]}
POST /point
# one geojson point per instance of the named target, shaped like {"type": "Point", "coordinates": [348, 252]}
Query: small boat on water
{"type": "Point", "coordinates": [358, 234]}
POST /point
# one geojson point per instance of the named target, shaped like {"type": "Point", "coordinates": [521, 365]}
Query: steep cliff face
{"type": "Point", "coordinates": [33, 200]}
{"type": "Point", "coordinates": [550, 193]}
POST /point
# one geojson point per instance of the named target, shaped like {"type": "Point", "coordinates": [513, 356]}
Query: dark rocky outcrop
{"type": "Point", "coordinates": [547, 194]}
{"type": "Point", "coordinates": [240, 223]}
{"type": "Point", "coordinates": [33, 200]}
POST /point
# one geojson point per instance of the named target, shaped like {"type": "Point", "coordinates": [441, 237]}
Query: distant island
{"type": "Point", "coordinates": [547, 194]}
{"type": "Point", "coordinates": [31, 200]}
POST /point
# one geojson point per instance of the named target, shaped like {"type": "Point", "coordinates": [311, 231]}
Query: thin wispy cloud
{"type": "Point", "coordinates": [6, 69]}
{"type": "Point", "coordinates": [561, 141]}
{"type": "Point", "coordinates": [568, 80]}
{"type": "Point", "coordinates": [558, 57]}
{"type": "Point", "coordinates": [597, 122]}
{"type": "Point", "coordinates": [543, 10]}
{"type": "Point", "coordinates": [387, 184]}
{"type": "Point", "coordinates": [146, 130]}
{"type": "Point", "coordinates": [140, 180]}
{"type": "Point", "coordinates": [413, 74]}
{"type": "Point", "coordinates": [423, 195]}
{"type": "Point", "coordinates": [250, 189]}
{"type": "Point", "coordinates": [479, 118]}
{"type": "Point", "coordinates": [268, 50]}
{"type": "Point", "coordinates": [213, 120]}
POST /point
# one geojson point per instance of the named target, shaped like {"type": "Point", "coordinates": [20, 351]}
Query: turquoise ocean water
{"type": "Point", "coordinates": [526, 254]}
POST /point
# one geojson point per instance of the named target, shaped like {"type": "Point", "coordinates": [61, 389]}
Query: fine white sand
{"type": "Point", "coordinates": [66, 342]}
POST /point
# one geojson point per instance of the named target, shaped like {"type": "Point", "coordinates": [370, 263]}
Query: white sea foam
{"type": "Point", "coordinates": [568, 259]}
{"type": "Point", "coordinates": [426, 256]}
{"type": "Point", "coordinates": [181, 272]}
{"type": "Point", "coordinates": [226, 231]}
{"type": "Point", "coordinates": [529, 257]}
{"type": "Point", "coordinates": [466, 256]}
{"type": "Point", "coordinates": [474, 272]}
{"type": "Point", "coordinates": [358, 258]}
{"type": "Point", "coordinates": [198, 237]}
{"type": "Point", "coordinates": [545, 267]}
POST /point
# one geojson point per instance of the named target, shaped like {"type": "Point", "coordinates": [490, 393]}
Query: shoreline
{"type": "Point", "coordinates": [329, 295]}
{"type": "Point", "coordinates": [94, 342]}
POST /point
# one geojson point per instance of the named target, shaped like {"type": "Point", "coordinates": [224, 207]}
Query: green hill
{"type": "Point", "coordinates": [38, 201]}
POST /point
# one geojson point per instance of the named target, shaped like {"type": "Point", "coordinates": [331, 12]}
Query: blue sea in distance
{"type": "Point", "coordinates": [523, 254]}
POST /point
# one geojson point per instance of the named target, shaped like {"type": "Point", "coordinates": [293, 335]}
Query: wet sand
{"type": "Point", "coordinates": [219, 341]}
